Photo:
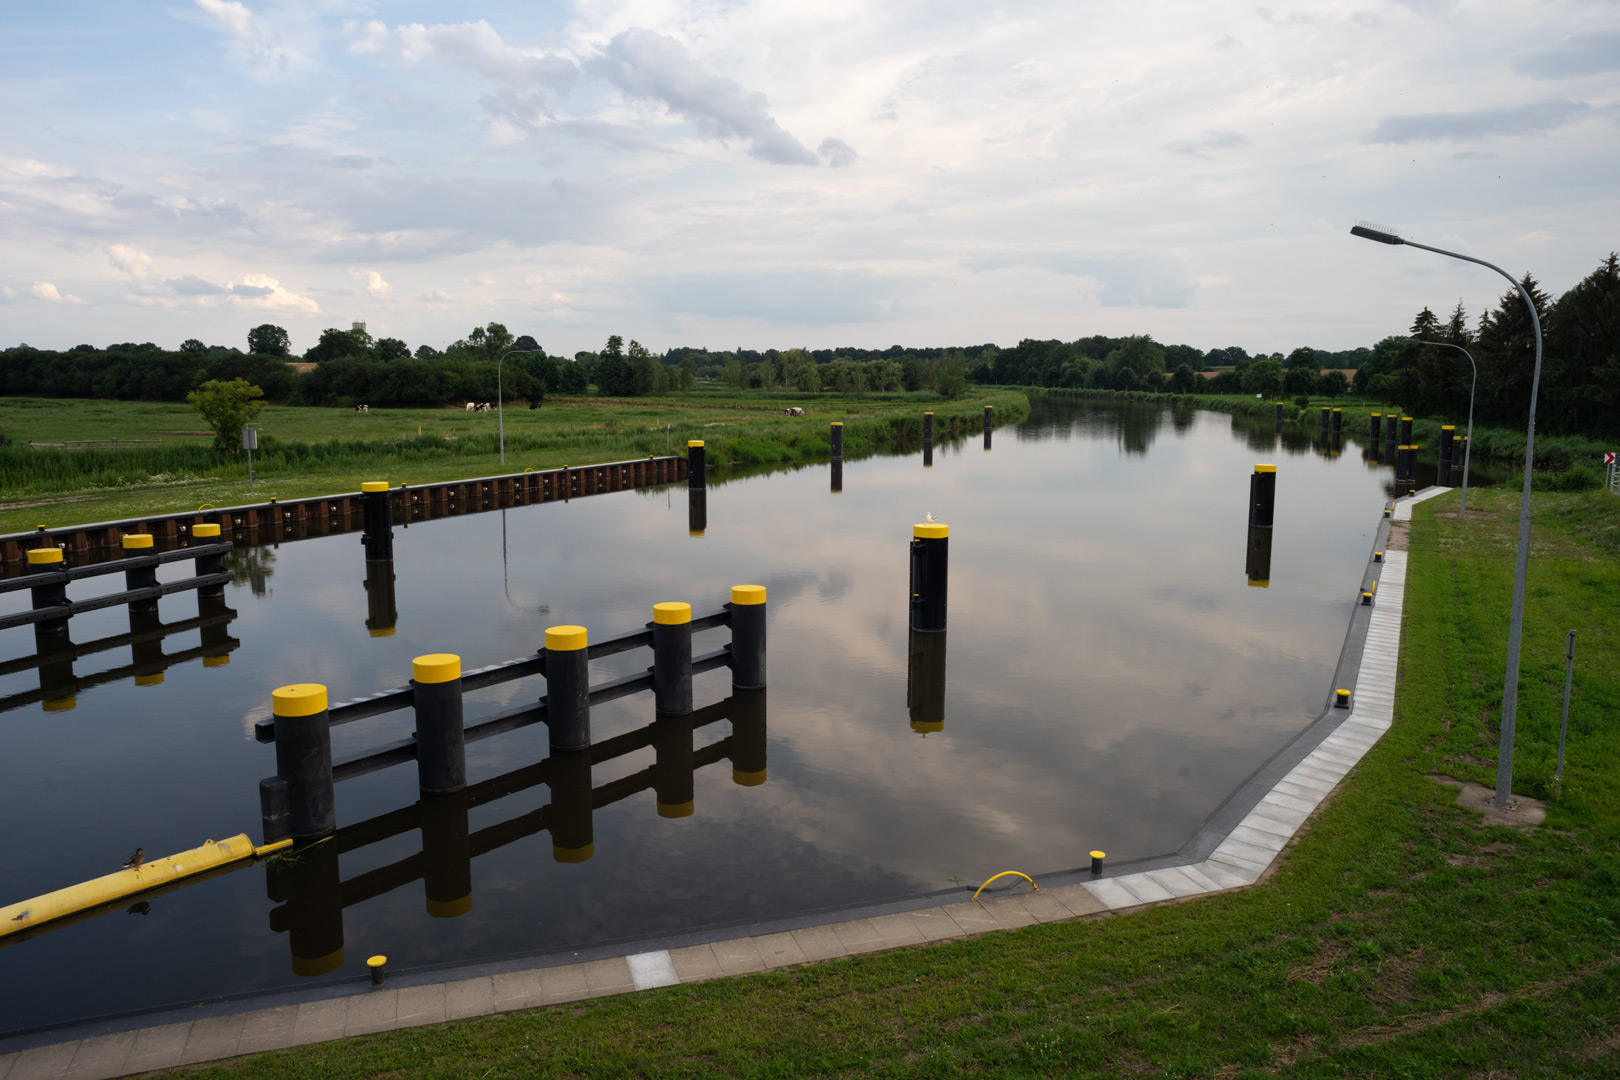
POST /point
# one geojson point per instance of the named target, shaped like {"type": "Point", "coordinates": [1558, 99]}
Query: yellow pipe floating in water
{"type": "Point", "coordinates": [1008, 873]}
{"type": "Point", "coordinates": [149, 875]}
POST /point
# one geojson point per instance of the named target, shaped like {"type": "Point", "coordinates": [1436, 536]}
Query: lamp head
{"type": "Point", "coordinates": [1367, 230]}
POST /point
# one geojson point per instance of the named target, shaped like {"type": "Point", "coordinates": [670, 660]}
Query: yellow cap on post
{"type": "Point", "coordinates": [149, 680]}
{"type": "Point", "coordinates": [928, 414]}
{"type": "Point", "coordinates": [837, 423]}
{"type": "Point", "coordinates": [436, 668]}
{"type": "Point", "coordinates": [450, 909]}
{"type": "Point", "coordinates": [376, 961]}
{"type": "Point", "coordinates": [1406, 418]}
{"type": "Point", "coordinates": [299, 699]}
{"type": "Point", "coordinates": [672, 613]}
{"type": "Point", "coordinates": [317, 965]}
{"type": "Point", "coordinates": [372, 487]}
{"type": "Point", "coordinates": [205, 530]}
{"type": "Point", "coordinates": [137, 540]}
{"type": "Point", "coordinates": [216, 661]}
{"type": "Point", "coordinates": [1265, 468]}
{"type": "Point", "coordinates": [747, 779]}
{"type": "Point", "coordinates": [1099, 854]}
{"type": "Point", "coordinates": [927, 726]}
{"type": "Point", "coordinates": [384, 631]}
{"type": "Point", "coordinates": [1448, 427]}
{"type": "Point", "coordinates": [565, 638]}
{"type": "Point", "coordinates": [60, 704]}
{"type": "Point", "coordinates": [694, 442]}
{"type": "Point", "coordinates": [1259, 583]}
{"type": "Point", "coordinates": [675, 810]}
{"type": "Point", "coordinates": [932, 530]}
{"type": "Point", "coordinates": [572, 854]}
{"type": "Point", "coordinates": [743, 595]}
{"type": "Point", "coordinates": [44, 556]}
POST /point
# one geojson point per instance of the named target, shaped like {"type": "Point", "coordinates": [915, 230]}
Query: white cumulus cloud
{"type": "Point", "coordinates": [372, 282]}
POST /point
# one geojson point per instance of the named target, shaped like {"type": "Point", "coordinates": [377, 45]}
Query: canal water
{"type": "Point", "coordinates": [1110, 674]}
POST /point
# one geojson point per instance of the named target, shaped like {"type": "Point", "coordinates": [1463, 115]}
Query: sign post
{"type": "Point", "coordinates": [1613, 480]}
{"type": "Point", "coordinates": [250, 443]}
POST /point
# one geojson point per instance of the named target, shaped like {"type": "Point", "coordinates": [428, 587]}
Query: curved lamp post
{"type": "Point", "coordinates": [500, 398]}
{"type": "Point", "coordinates": [1510, 684]}
{"type": "Point", "coordinates": [1468, 443]}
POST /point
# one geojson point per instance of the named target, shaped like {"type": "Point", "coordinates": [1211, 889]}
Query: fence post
{"type": "Point", "coordinates": [48, 560]}
{"type": "Point", "coordinates": [747, 637]}
{"type": "Point", "coordinates": [304, 758]}
{"type": "Point", "coordinates": [568, 691]}
{"type": "Point", "coordinates": [441, 745]}
{"type": "Point", "coordinates": [376, 520]}
{"type": "Point", "coordinates": [1406, 430]}
{"type": "Point", "coordinates": [930, 553]}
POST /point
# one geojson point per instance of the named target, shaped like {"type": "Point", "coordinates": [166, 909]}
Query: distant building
{"type": "Point", "coordinates": [360, 326]}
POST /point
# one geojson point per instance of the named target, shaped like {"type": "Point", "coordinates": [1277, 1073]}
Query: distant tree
{"type": "Point", "coordinates": [734, 374]}
{"type": "Point", "coordinates": [1305, 357]}
{"type": "Point", "coordinates": [1184, 381]}
{"type": "Point", "coordinates": [391, 348]}
{"type": "Point", "coordinates": [1301, 379]}
{"type": "Point", "coordinates": [335, 344]}
{"type": "Point", "coordinates": [1176, 355]}
{"type": "Point", "coordinates": [227, 407]}
{"type": "Point", "coordinates": [1262, 377]}
{"type": "Point", "coordinates": [953, 375]}
{"type": "Point", "coordinates": [427, 352]}
{"type": "Point", "coordinates": [807, 378]}
{"type": "Point", "coordinates": [646, 373]}
{"type": "Point", "coordinates": [268, 339]}
{"type": "Point", "coordinates": [193, 347]}
{"type": "Point", "coordinates": [614, 376]}
{"type": "Point", "coordinates": [1332, 383]}
{"type": "Point", "coordinates": [686, 376]}
{"type": "Point", "coordinates": [1138, 353]}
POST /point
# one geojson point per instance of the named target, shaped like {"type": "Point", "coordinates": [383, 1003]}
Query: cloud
{"type": "Point", "coordinates": [133, 262]}
{"type": "Point", "coordinates": [646, 64]}
{"type": "Point", "coordinates": [44, 290]}
{"type": "Point", "coordinates": [252, 290]}
{"type": "Point", "coordinates": [838, 153]}
{"type": "Point", "coordinates": [1210, 140]}
{"type": "Point", "coordinates": [190, 285]}
{"type": "Point", "coordinates": [1532, 118]}
{"type": "Point", "coordinates": [805, 297]}
{"type": "Point", "coordinates": [262, 292]}
{"type": "Point", "coordinates": [1122, 280]}
{"type": "Point", "coordinates": [1591, 53]}
{"type": "Point", "coordinates": [373, 282]}
{"type": "Point", "coordinates": [435, 296]}
{"type": "Point", "coordinates": [270, 53]}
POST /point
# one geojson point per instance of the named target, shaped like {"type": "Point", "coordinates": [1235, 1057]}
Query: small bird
{"type": "Point", "coordinates": [135, 860]}
{"type": "Point", "coordinates": [929, 516]}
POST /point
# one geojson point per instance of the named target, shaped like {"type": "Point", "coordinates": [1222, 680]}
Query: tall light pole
{"type": "Point", "coordinates": [1468, 442]}
{"type": "Point", "coordinates": [500, 397]}
{"type": "Point", "coordinates": [1510, 683]}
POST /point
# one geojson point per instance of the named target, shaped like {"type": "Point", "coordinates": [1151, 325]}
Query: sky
{"type": "Point", "coordinates": [770, 174]}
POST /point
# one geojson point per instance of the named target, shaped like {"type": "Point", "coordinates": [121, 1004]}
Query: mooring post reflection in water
{"type": "Point", "coordinates": [1262, 515]}
{"type": "Point", "coordinates": [838, 473]}
{"type": "Point", "coordinates": [928, 440]}
{"type": "Point", "coordinates": [446, 855]}
{"type": "Point", "coordinates": [925, 681]}
{"type": "Point", "coordinates": [673, 780]}
{"type": "Point", "coordinates": [307, 881]}
{"type": "Point", "coordinates": [989, 420]}
{"type": "Point", "coordinates": [382, 616]}
{"type": "Point", "coordinates": [1257, 558]}
{"type": "Point", "coordinates": [697, 510]}
{"type": "Point", "coordinates": [146, 644]}
{"type": "Point", "coordinates": [572, 831]}
{"type": "Point", "coordinates": [57, 684]}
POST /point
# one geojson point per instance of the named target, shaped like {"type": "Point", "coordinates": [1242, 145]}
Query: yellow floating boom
{"type": "Point", "coordinates": [149, 875]}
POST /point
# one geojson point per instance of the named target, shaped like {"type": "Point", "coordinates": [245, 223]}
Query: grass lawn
{"type": "Point", "coordinates": [315, 451]}
{"type": "Point", "coordinates": [1400, 936]}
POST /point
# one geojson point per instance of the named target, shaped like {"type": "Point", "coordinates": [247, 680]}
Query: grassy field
{"type": "Point", "coordinates": [1400, 937]}
{"type": "Point", "coordinates": [309, 451]}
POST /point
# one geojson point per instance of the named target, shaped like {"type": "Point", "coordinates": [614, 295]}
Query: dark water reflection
{"type": "Point", "coordinates": [1111, 675]}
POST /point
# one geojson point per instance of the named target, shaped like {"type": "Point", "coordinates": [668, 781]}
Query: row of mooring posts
{"type": "Point", "coordinates": [300, 802]}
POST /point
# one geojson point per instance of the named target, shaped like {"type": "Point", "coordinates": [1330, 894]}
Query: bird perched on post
{"type": "Point", "coordinates": [929, 516]}
{"type": "Point", "coordinates": [135, 860]}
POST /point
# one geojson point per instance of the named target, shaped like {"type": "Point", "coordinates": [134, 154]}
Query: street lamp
{"type": "Point", "coordinates": [500, 398]}
{"type": "Point", "coordinates": [1510, 683]}
{"type": "Point", "coordinates": [1468, 443]}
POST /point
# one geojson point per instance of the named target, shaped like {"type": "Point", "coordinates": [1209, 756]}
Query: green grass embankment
{"type": "Point", "coordinates": [1399, 937]}
{"type": "Point", "coordinates": [316, 451]}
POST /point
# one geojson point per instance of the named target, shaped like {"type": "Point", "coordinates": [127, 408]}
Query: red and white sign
{"type": "Point", "coordinates": [1608, 459]}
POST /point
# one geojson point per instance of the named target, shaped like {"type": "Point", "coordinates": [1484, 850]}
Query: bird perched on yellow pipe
{"type": "Point", "coordinates": [135, 860]}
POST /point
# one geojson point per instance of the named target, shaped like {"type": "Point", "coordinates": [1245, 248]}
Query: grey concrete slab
{"type": "Point", "coordinates": [211, 1038]}
{"type": "Point", "coordinates": [971, 917]}
{"type": "Point", "coordinates": [1247, 869]}
{"type": "Point", "coordinates": [779, 950]}
{"type": "Point", "coordinates": [1289, 816]}
{"type": "Point", "coordinates": [1177, 882]}
{"type": "Point", "coordinates": [858, 936]}
{"type": "Point", "coordinates": [466, 998]}
{"type": "Point", "coordinates": [1259, 822]}
{"type": "Point", "coordinates": [695, 963]}
{"type": "Point", "coordinates": [565, 983]}
{"type": "Point", "coordinates": [98, 1057]}
{"type": "Point", "coordinates": [1264, 841]}
{"type": "Point", "coordinates": [514, 990]}
{"type": "Point", "coordinates": [157, 1048]}
{"type": "Point", "coordinates": [1144, 888]}
{"type": "Point", "coordinates": [420, 1005]}
{"type": "Point", "coordinates": [935, 924]}
{"type": "Point", "coordinates": [1010, 912]}
{"type": "Point", "coordinates": [370, 1013]}
{"type": "Point", "coordinates": [1112, 894]}
{"type": "Point", "coordinates": [1221, 877]}
{"type": "Point", "coordinates": [267, 1029]}
{"type": "Point", "coordinates": [319, 1021]}
{"type": "Point", "coordinates": [44, 1062]}
{"type": "Point", "coordinates": [898, 930]}
{"type": "Point", "coordinates": [1250, 853]}
{"type": "Point", "coordinates": [738, 956]}
{"type": "Point", "coordinates": [1304, 789]}
{"type": "Point", "coordinates": [819, 943]}
{"type": "Point", "coordinates": [650, 969]}
{"type": "Point", "coordinates": [1077, 898]}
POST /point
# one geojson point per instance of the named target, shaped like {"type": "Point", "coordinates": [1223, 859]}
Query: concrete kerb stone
{"type": "Point", "coordinates": [1234, 848]}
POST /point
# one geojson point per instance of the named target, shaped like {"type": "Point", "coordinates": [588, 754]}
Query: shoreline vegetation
{"type": "Point", "coordinates": [307, 451]}
{"type": "Point", "coordinates": [1399, 934]}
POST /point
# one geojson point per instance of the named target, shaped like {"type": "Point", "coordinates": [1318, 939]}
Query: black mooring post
{"type": "Point", "coordinates": [838, 475]}
{"type": "Point", "coordinates": [925, 682]}
{"type": "Point", "coordinates": [48, 560]}
{"type": "Point", "coordinates": [441, 740]}
{"type": "Point", "coordinates": [313, 886]}
{"type": "Point", "coordinates": [672, 659]}
{"type": "Point", "coordinates": [1262, 496]}
{"type": "Point", "coordinates": [673, 769]}
{"type": "Point", "coordinates": [697, 511]}
{"type": "Point", "coordinates": [1377, 424]}
{"type": "Point", "coordinates": [1338, 420]}
{"type": "Point", "coordinates": [1391, 424]}
{"type": "Point", "coordinates": [1257, 557]}
{"type": "Point", "coordinates": [139, 546]}
{"type": "Point", "coordinates": [376, 520]}
{"type": "Point", "coordinates": [697, 468]}
{"type": "Point", "coordinates": [1278, 416]}
{"type": "Point", "coordinates": [1325, 412]}
{"type": "Point", "coordinates": [1406, 430]}
{"type": "Point", "coordinates": [989, 418]}
{"type": "Point", "coordinates": [568, 775]}
{"type": "Point", "coordinates": [838, 440]}
{"type": "Point", "coordinates": [568, 691]}
{"type": "Point", "coordinates": [304, 758]}
{"type": "Point", "coordinates": [1448, 436]}
{"type": "Point", "coordinates": [208, 533]}
{"type": "Point", "coordinates": [382, 616]}
{"type": "Point", "coordinates": [747, 712]}
{"type": "Point", "coordinates": [930, 556]}
{"type": "Point", "coordinates": [747, 637]}
{"type": "Point", "coordinates": [446, 855]}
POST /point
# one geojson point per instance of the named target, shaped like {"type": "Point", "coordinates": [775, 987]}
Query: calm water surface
{"type": "Point", "coordinates": [1109, 676]}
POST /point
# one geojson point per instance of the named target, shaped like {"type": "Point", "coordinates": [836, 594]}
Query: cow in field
{"type": "Point", "coordinates": [362, 408]}
{"type": "Point", "coordinates": [471, 406]}
{"type": "Point", "coordinates": [795, 411]}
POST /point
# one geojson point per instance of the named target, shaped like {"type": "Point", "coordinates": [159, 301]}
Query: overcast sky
{"type": "Point", "coordinates": [763, 173]}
